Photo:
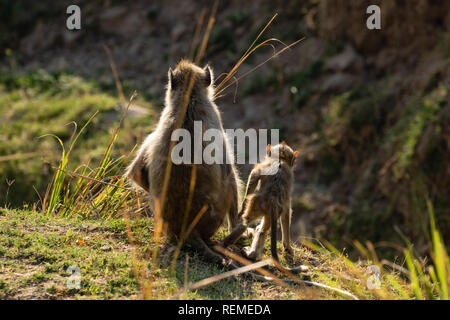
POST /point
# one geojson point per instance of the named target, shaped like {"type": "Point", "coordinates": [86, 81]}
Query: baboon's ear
{"type": "Point", "coordinates": [209, 76]}
{"type": "Point", "coordinates": [170, 78]}
{"type": "Point", "coordinates": [294, 158]}
{"type": "Point", "coordinates": [268, 150]}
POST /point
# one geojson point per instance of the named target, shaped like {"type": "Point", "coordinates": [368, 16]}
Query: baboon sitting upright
{"type": "Point", "coordinates": [216, 185]}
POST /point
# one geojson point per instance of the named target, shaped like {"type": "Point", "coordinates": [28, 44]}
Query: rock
{"type": "Point", "coordinates": [71, 37]}
{"type": "Point", "coordinates": [43, 37]}
{"type": "Point", "coordinates": [124, 21]}
{"type": "Point", "coordinates": [106, 247]}
{"type": "Point", "coordinates": [338, 82]}
{"type": "Point", "coordinates": [178, 31]}
{"type": "Point", "coordinates": [92, 228]}
{"type": "Point", "coordinates": [111, 18]}
{"type": "Point", "coordinates": [347, 60]}
{"type": "Point", "coordinates": [60, 63]}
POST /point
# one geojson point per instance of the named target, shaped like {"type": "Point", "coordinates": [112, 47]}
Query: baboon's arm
{"type": "Point", "coordinates": [251, 186]}
{"type": "Point", "coordinates": [138, 171]}
{"type": "Point", "coordinates": [234, 235]}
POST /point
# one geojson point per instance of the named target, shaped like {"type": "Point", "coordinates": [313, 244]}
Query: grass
{"type": "Point", "coordinates": [36, 250]}
{"type": "Point", "coordinates": [38, 104]}
{"type": "Point", "coordinates": [46, 246]}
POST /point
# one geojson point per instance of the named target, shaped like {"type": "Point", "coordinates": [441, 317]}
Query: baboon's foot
{"type": "Point", "coordinates": [250, 232]}
{"type": "Point", "coordinates": [289, 250]}
{"type": "Point", "coordinates": [199, 245]}
{"type": "Point", "coordinates": [166, 253]}
{"type": "Point", "coordinates": [300, 269]}
{"type": "Point", "coordinates": [251, 254]}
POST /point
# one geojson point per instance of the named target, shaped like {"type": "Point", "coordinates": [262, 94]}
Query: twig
{"type": "Point", "coordinates": [74, 174]}
{"type": "Point", "coordinates": [228, 274]}
{"type": "Point", "coordinates": [266, 275]}
{"type": "Point", "coordinates": [115, 74]}
{"type": "Point", "coordinates": [396, 267]}
{"type": "Point", "coordinates": [261, 64]}
{"type": "Point", "coordinates": [18, 156]}
{"type": "Point", "coordinates": [222, 276]}
{"type": "Point", "coordinates": [311, 283]}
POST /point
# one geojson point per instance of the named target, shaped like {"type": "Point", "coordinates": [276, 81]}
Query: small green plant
{"type": "Point", "coordinates": [430, 281]}
{"type": "Point", "coordinates": [414, 125]}
{"type": "Point", "coordinates": [61, 171]}
{"type": "Point", "coordinates": [94, 192]}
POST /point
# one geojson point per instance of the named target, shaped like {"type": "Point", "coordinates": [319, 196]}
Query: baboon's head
{"type": "Point", "coordinates": [189, 79]}
{"type": "Point", "coordinates": [282, 152]}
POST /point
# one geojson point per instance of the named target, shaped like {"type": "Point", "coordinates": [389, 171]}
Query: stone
{"type": "Point", "coordinates": [347, 60]}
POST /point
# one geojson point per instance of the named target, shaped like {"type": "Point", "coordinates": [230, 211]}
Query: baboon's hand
{"type": "Point", "coordinates": [226, 262]}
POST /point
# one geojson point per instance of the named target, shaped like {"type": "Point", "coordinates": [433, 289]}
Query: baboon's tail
{"type": "Point", "coordinates": [273, 234]}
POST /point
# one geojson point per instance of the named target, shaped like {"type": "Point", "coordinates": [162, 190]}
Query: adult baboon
{"type": "Point", "coordinates": [189, 88]}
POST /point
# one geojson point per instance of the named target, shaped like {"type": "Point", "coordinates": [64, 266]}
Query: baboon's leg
{"type": "Point", "coordinates": [255, 251]}
{"type": "Point", "coordinates": [196, 241]}
{"type": "Point", "coordinates": [232, 216]}
{"type": "Point", "coordinates": [285, 230]}
{"type": "Point", "coordinates": [234, 235]}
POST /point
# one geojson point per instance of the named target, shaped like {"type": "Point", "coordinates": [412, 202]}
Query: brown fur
{"type": "Point", "coordinates": [216, 185]}
{"type": "Point", "coordinates": [268, 197]}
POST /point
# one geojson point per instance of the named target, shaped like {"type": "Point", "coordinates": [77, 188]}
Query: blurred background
{"type": "Point", "coordinates": [367, 109]}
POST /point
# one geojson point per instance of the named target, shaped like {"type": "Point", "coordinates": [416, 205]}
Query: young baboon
{"type": "Point", "coordinates": [216, 185]}
{"type": "Point", "coordinates": [268, 196]}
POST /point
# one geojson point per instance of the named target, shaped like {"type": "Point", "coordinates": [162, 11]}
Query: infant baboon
{"type": "Point", "coordinates": [268, 196]}
{"type": "Point", "coordinates": [216, 185]}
